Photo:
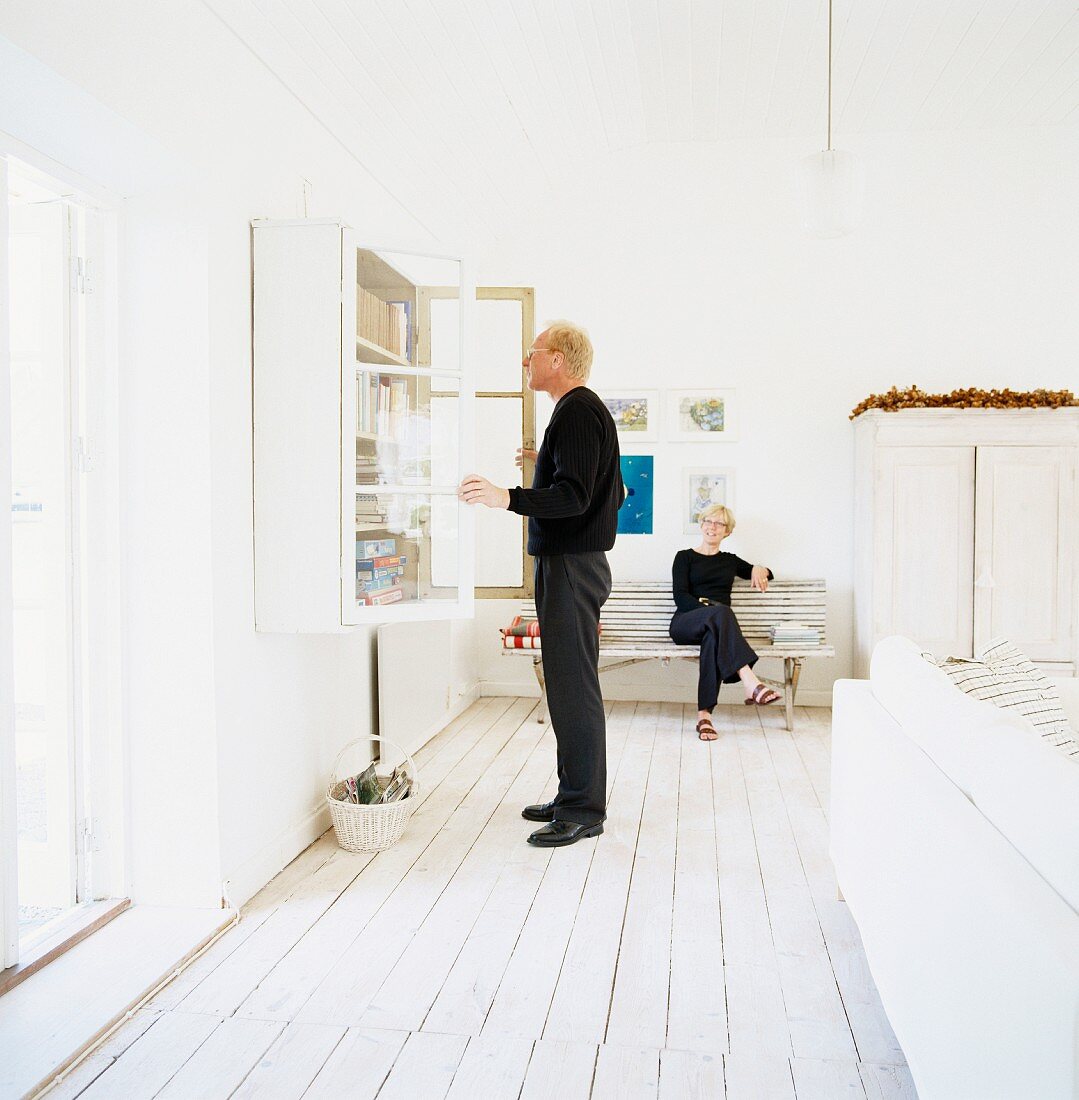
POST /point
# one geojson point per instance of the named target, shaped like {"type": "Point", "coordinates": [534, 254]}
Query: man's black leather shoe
{"type": "Point", "coordinates": [543, 812]}
{"type": "Point", "coordinates": [559, 833]}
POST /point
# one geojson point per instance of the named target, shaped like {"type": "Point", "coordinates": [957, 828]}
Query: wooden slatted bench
{"type": "Point", "coordinates": [637, 614]}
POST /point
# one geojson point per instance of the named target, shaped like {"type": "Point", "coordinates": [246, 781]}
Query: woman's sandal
{"type": "Point", "coordinates": [762, 696]}
{"type": "Point", "coordinates": [706, 731]}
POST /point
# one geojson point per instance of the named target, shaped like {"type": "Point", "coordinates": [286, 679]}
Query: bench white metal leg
{"type": "Point", "coordinates": [537, 667]}
{"type": "Point", "coordinates": [792, 669]}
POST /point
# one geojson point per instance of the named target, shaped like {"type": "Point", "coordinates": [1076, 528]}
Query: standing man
{"type": "Point", "coordinates": [572, 511]}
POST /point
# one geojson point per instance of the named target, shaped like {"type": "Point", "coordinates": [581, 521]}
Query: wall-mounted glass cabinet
{"type": "Point", "coordinates": [362, 428]}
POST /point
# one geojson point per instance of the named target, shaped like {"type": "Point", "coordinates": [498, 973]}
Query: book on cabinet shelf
{"type": "Point", "coordinates": [382, 406]}
{"type": "Point", "coordinates": [404, 323]}
{"type": "Point", "coordinates": [381, 324]}
{"type": "Point", "coordinates": [379, 576]}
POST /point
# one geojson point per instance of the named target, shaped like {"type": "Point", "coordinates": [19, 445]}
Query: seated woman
{"type": "Point", "coordinates": [703, 578]}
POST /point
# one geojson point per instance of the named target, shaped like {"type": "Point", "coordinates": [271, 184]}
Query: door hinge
{"type": "Point", "coordinates": [84, 455]}
{"type": "Point", "coordinates": [89, 838]}
{"type": "Point", "coordinates": [82, 275]}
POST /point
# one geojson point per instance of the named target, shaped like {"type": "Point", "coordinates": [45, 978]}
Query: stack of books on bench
{"type": "Point", "coordinates": [521, 634]}
{"type": "Point", "coordinates": [795, 634]}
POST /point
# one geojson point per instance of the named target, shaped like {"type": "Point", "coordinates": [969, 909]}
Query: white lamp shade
{"type": "Point", "coordinates": [831, 192]}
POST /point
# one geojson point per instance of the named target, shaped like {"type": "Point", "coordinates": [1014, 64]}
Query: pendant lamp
{"type": "Point", "coordinates": [831, 182]}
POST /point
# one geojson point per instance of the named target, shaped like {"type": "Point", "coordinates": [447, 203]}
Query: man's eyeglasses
{"type": "Point", "coordinates": [535, 351]}
{"type": "Point", "coordinates": [713, 524]}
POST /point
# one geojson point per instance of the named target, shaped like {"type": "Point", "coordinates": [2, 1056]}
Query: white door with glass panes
{"type": "Point", "coordinates": [363, 430]}
{"type": "Point", "coordinates": [503, 326]}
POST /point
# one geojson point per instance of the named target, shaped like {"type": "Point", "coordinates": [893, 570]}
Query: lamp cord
{"type": "Point", "coordinates": [829, 76]}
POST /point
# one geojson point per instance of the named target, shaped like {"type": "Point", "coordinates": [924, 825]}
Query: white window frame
{"type": "Point", "coordinates": [104, 862]}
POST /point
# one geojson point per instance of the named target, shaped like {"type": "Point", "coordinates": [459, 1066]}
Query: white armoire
{"type": "Point", "coordinates": [965, 529]}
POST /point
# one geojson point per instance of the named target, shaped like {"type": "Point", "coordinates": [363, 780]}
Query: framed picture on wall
{"type": "Point", "coordinates": [635, 412]}
{"type": "Point", "coordinates": [635, 515]}
{"type": "Point", "coordinates": [701, 487]}
{"type": "Point", "coordinates": [702, 416]}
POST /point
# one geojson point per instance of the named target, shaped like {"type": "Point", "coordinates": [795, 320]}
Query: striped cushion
{"type": "Point", "coordinates": [1007, 678]}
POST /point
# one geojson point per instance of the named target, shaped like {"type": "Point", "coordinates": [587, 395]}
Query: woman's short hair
{"type": "Point", "coordinates": [720, 512]}
{"type": "Point", "coordinates": [576, 348]}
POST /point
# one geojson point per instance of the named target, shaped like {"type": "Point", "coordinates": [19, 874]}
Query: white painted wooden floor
{"type": "Point", "coordinates": [696, 949]}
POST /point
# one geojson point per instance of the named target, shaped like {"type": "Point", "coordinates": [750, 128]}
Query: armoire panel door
{"type": "Point", "coordinates": [923, 546]}
{"type": "Point", "coordinates": [1022, 550]}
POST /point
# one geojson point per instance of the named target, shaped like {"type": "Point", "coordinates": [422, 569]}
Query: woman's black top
{"type": "Point", "coordinates": [709, 575]}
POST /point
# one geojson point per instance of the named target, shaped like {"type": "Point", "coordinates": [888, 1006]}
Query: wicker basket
{"type": "Point", "coordinates": [369, 828]}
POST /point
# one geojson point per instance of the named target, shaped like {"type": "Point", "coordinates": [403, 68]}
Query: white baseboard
{"type": "Point", "coordinates": [272, 858]}
{"type": "Point", "coordinates": [644, 693]}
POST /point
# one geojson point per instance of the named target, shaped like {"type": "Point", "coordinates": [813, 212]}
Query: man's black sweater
{"type": "Point", "coordinates": [576, 492]}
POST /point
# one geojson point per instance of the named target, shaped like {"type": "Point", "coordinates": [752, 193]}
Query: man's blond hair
{"type": "Point", "coordinates": [573, 342]}
{"type": "Point", "coordinates": [720, 512]}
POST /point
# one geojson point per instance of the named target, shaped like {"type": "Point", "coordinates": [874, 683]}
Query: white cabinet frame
{"type": "Point", "coordinates": [305, 364]}
{"type": "Point", "coordinates": [1037, 438]}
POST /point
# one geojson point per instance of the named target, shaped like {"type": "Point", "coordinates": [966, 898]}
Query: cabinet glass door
{"type": "Point", "coordinates": [407, 542]}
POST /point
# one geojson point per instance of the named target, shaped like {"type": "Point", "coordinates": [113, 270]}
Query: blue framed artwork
{"type": "Point", "coordinates": [635, 515]}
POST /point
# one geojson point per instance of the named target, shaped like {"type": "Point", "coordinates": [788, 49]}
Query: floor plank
{"type": "Point", "coordinates": [623, 1073]}
{"type": "Point", "coordinates": [758, 1077]}
{"type": "Point", "coordinates": [522, 1005]}
{"type": "Point", "coordinates": [98, 1061]}
{"type": "Point", "coordinates": [582, 995]}
{"type": "Point", "coordinates": [151, 1062]}
{"type": "Point", "coordinates": [346, 992]}
{"type": "Point", "coordinates": [426, 1067]}
{"type": "Point", "coordinates": [466, 997]}
{"type": "Point", "coordinates": [887, 1082]}
{"type": "Point", "coordinates": [695, 949]}
{"type": "Point", "coordinates": [283, 993]}
{"type": "Point", "coordinates": [824, 1080]}
{"type": "Point", "coordinates": [642, 981]}
{"type": "Point", "coordinates": [286, 1070]}
{"type": "Point", "coordinates": [493, 1067]}
{"type": "Point", "coordinates": [220, 1064]}
{"type": "Point", "coordinates": [691, 1075]}
{"type": "Point", "coordinates": [358, 1066]}
{"type": "Point", "coordinates": [559, 1069]}
{"type": "Point", "coordinates": [697, 1012]}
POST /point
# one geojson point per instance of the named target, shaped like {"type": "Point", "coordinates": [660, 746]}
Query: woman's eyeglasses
{"type": "Point", "coordinates": [713, 524]}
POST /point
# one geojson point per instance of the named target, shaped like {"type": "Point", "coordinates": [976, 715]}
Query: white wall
{"type": "Point", "coordinates": [687, 265]}
{"type": "Point", "coordinates": [252, 721]}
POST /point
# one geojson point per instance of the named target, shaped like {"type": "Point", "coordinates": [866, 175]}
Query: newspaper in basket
{"type": "Point", "coordinates": [370, 828]}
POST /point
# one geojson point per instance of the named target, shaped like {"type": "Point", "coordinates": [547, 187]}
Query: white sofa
{"type": "Point", "coordinates": [955, 840]}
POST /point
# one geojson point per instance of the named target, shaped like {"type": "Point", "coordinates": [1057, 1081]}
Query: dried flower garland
{"type": "Point", "coordinates": [914, 398]}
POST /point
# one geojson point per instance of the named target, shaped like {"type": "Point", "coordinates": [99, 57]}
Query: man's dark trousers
{"type": "Point", "coordinates": [570, 590]}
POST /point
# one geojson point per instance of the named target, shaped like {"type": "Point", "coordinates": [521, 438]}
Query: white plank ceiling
{"type": "Point", "coordinates": [465, 105]}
